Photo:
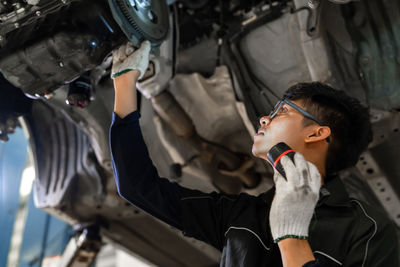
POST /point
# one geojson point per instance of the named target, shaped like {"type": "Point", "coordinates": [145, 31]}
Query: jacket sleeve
{"type": "Point", "coordinates": [136, 177]}
{"type": "Point", "coordinates": [312, 264]}
{"type": "Point", "coordinates": [375, 244]}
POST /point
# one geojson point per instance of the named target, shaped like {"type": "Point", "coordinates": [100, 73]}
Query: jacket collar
{"type": "Point", "coordinates": [333, 193]}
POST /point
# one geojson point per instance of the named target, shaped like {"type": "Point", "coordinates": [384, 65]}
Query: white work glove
{"type": "Point", "coordinates": [295, 199]}
{"type": "Point", "coordinates": [125, 59]}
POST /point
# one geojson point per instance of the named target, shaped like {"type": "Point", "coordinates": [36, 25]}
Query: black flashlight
{"type": "Point", "coordinates": [276, 153]}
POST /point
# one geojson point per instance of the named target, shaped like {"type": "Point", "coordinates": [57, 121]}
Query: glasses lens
{"type": "Point", "coordinates": [275, 110]}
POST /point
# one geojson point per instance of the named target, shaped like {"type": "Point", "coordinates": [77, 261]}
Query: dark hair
{"type": "Point", "coordinates": [348, 120]}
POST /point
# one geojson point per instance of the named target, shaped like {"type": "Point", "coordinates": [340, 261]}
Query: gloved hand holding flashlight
{"type": "Point", "coordinates": [295, 198]}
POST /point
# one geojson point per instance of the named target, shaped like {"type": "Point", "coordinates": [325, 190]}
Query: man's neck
{"type": "Point", "coordinates": [322, 170]}
{"type": "Point", "coordinates": [320, 166]}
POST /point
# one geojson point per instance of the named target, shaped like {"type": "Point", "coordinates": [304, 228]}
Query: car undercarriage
{"type": "Point", "coordinates": [214, 70]}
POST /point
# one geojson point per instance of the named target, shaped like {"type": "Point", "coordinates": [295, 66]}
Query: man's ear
{"type": "Point", "coordinates": [317, 134]}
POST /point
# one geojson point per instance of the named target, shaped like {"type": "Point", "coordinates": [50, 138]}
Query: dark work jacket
{"type": "Point", "coordinates": [343, 231]}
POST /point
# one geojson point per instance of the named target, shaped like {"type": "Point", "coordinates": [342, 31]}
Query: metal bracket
{"type": "Point", "coordinates": [82, 250]}
{"type": "Point", "coordinates": [380, 185]}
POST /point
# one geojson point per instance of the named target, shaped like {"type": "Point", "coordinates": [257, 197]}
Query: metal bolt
{"type": "Point", "coordinates": [132, 3]}
{"type": "Point", "coordinates": [365, 60]}
{"type": "Point", "coordinates": [16, 25]}
{"type": "Point", "coordinates": [38, 13]}
{"type": "Point", "coordinates": [48, 95]}
{"type": "Point", "coordinates": [107, 164]}
{"type": "Point", "coordinates": [143, 3]}
{"type": "Point", "coordinates": [150, 15]}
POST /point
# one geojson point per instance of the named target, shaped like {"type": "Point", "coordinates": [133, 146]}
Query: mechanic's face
{"type": "Point", "coordinates": [287, 126]}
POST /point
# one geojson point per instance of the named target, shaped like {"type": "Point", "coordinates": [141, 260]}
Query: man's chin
{"type": "Point", "coordinates": [258, 153]}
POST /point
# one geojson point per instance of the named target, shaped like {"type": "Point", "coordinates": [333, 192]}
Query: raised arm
{"type": "Point", "coordinates": [125, 101]}
{"type": "Point", "coordinates": [200, 215]}
{"type": "Point", "coordinates": [128, 66]}
{"type": "Point", "coordinates": [136, 177]}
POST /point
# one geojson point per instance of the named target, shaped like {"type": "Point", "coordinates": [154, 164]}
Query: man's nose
{"type": "Point", "coordinates": [264, 121]}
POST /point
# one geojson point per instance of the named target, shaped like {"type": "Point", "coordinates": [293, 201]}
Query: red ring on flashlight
{"type": "Point", "coordinates": [281, 155]}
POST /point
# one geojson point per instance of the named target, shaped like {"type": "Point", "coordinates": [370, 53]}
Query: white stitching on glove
{"type": "Point", "coordinates": [125, 59]}
{"type": "Point", "coordinates": [295, 199]}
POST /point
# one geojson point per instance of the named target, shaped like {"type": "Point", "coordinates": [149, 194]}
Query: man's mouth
{"type": "Point", "coordinates": [260, 133]}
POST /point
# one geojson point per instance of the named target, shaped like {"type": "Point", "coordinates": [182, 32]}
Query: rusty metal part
{"type": "Point", "coordinates": [82, 250]}
{"type": "Point", "coordinates": [244, 173]}
{"type": "Point", "coordinates": [218, 157]}
{"type": "Point", "coordinates": [170, 111]}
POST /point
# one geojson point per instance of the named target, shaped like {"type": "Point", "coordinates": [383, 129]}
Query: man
{"type": "Point", "coordinates": [298, 222]}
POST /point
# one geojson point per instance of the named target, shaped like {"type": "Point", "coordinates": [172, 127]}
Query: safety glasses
{"type": "Point", "coordinates": [277, 107]}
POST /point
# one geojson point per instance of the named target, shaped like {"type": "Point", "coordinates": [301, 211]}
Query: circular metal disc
{"type": "Point", "coordinates": [147, 19]}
